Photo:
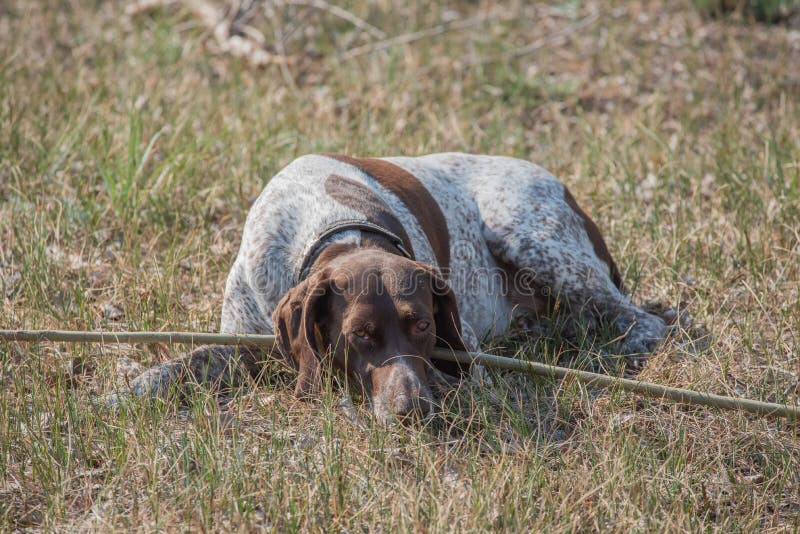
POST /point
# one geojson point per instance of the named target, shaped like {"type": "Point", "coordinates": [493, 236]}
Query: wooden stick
{"type": "Point", "coordinates": [193, 338]}
{"type": "Point", "coordinates": [648, 389]}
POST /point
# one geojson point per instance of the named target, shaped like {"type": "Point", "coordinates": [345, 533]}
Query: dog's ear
{"type": "Point", "coordinates": [448, 322]}
{"type": "Point", "coordinates": [296, 334]}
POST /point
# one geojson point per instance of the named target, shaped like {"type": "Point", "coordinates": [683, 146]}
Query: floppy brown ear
{"type": "Point", "coordinates": [295, 320]}
{"type": "Point", "coordinates": [448, 323]}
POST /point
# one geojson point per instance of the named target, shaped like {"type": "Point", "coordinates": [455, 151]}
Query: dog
{"type": "Point", "coordinates": [366, 264]}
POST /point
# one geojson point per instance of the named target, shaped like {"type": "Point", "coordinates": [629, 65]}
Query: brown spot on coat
{"type": "Point", "coordinates": [598, 243]}
{"type": "Point", "coordinates": [416, 198]}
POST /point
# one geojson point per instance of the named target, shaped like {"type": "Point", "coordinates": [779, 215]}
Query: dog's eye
{"type": "Point", "coordinates": [423, 325]}
{"type": "Point", "coordinates": [361, 332]}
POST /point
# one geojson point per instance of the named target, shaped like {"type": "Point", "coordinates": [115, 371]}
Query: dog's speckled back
{"type": "Point", "coordinates": [499, 212]}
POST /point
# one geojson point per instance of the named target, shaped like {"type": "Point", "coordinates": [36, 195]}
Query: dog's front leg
{"type": "Point", "coordinates": [219, 367]}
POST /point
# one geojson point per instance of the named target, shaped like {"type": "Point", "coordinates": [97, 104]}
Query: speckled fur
{"type": "Point", "coordinates": [500, 211]}
{"type": "Point", "coordinates": [506, 209]}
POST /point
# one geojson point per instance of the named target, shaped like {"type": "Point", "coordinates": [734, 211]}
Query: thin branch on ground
{"type": "Point", "coordinates": [416, 36]}
{"type": "Point", "coordinates": [537, 44]}
{"type": "Point", "coordinates": [337, 11]}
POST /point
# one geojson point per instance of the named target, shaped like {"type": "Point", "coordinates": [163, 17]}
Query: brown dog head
{"type": "Point", "coordinates": [377, 316]}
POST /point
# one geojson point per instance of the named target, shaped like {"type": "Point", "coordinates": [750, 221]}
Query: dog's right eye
{"type": "Point", "coordinates": [361, 332]}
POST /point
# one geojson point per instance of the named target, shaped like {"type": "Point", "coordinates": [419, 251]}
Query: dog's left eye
{"type": "Point", "coordinates": [361, 332]}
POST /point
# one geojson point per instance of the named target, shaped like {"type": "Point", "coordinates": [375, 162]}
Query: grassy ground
{"type": "Point", "coordinates": [131, 148]}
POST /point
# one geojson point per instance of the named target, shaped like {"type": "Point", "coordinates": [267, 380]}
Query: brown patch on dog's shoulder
{"type": "Point", "coordinates": [416, 198]}
{"type": "Point", "coordinates": [596, 238]}
{"type": "Point", "coordinates": [359, 197]}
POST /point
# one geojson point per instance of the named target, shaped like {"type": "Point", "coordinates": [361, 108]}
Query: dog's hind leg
{"type": "Point", "coordinates": [535, 226]}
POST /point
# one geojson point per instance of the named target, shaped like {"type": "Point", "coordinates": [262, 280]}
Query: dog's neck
{"type": "Point", "coordinates": [324, 250]}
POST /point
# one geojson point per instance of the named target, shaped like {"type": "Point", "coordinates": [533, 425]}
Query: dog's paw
{"type": "Point", "coordinates": [643, 335]}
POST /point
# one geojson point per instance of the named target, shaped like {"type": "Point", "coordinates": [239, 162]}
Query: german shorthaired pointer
{"type": "Point", "coordinates": [366, 264]}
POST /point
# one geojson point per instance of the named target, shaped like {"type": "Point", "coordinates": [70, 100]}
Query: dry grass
{"type": "Point", "coordinates": [130, 150]}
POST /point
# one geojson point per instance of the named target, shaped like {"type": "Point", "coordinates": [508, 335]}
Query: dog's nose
{"type": "Point", "coordinates": [412, 401]}
{"type": "Point", "coordinates": [405, 406]}
{"type": "Point", "coordinates": [400, 392]}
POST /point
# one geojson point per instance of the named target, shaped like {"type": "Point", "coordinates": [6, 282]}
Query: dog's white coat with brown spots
{"type": "Point", "coordinates": [497, 210]}
{"type": "Point", "coordinates": [506, 236]}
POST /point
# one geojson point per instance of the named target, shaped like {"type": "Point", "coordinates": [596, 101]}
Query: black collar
{"type": "Point", "coordinates": [343, 226]}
